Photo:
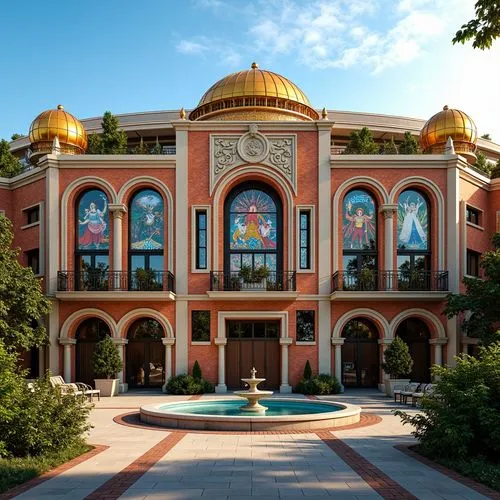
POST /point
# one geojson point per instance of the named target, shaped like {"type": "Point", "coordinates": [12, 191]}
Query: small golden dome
{"type": "Point", "coordinates": [61, 124]}
{"type": "Point", "coordinates": [254, 94]}
{"type": "Point", "coordinates": [450, 123]}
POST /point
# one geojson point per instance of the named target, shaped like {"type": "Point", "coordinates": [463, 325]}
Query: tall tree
{"type": "Point", "coordinates": [389, 148]}
{"type": "Point", "coordinates": [141, 148]}
{"type": "Point", "coordinates": [482, 163]}
{"type": "Point", "coordinates": [484, 28]}
{"type": "Point", "coordinates": [495, 171]}
{"type": "Point", "coordinates": [362, 143]}
{"type": "Point", "coordinates": [16, 136]}
{"type": "Point", "coordinates": [112, 141]}
{"type": "Point", "coordinates": [481, 299]}
{"type": "Point", "coordinates": [22, 302]}
{"type": "Point", "coordinates": [10, 166]}
{"type": "Point", "coordinates": [409, 145]}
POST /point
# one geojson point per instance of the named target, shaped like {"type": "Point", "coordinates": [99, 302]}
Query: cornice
{"type": "Point", "coordinates": [23, 179]}
{"type": "Point", "coordinates": [109, 161]}
{"type": "Point", "coordinates": [394, 161]}
{"type": "Point", "coordinates": [242, 126]}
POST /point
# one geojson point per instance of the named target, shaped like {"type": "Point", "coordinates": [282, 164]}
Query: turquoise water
{"type": "Point", "coordinates": [231, 408]}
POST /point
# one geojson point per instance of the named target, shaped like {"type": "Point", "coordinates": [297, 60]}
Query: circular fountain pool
{"type": "Point", "coordinates": [226, 414]}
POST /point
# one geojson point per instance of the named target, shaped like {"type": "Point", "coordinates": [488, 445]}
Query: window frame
{"type": "Point", "coordinates": [29, 255]}
{"type": "Point", "coordinates": [310, 209]}
{"type": "Point", "coordinates": [194, 238]}
{"type": "Point", "coordinates": [206, 341]}
{"type": "Point", "coordinates": [308, 341]}
{"type": "Point", "coordinates": [471, 209]}
{"type": "Point", "coordinates": [198, 214]}
{"type": "Point", "coordinates": [36, 208]}
{"type": "Point", "coordinates": [468, 256]}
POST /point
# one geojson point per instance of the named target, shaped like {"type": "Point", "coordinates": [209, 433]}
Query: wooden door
{"type": "Point", "coordinates": [84, 354]}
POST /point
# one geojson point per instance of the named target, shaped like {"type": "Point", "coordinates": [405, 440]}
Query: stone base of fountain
{"type": "Point", "coordinates": [253, 395]}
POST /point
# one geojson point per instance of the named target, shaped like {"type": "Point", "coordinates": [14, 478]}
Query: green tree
{"type": "Point", "coordinates": [397, 359]}
{"type": "Point", "coordinates": [361, 143]}
{"type": "Point", "coordinates": [141, 149]}
{"type": "Point", "coordinates": [481, 299]}
{"type": "Point", "coordinates": [486, 136]}
{"type": "Point", "coordinates": [157, 150]}
{"type": "Point", "coordinates": [197, 371]}
{"type": "Point", "coordinates": [16, 136]}
{"type": "Point", "coordinates": [409, 145]}
{"type": "Point", "coordinates": [484, 28]}
{"type": "Point", "coordinates": [10, 166]}
{"type": "Point", "coordinates": [495, 171]}
{"type": "Point", "coordinates": [389, 148]}
{"type": "Point", "coordinates": [307, 371]}
{"type": "Point", "coordinates": [106, 361]}
{"type": "Point", "coordinates": [112, 141]}
{"type": "Point", "coordinates": [22, 301]}
{"type": "Point", "coordinates": [482, 163]}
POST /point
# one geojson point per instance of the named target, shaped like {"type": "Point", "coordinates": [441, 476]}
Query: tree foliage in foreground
{"type": "Point", "coordinates": [481, 300]}
{"type": "Point", "coordinates": [409, 145]}
{"type": "Point", "coordinates": [112, 140]}
{"type": "Point", "coordinates": [484, 28]}
{"type": "Point", "coordinates": [362, 143]}
{"type": "Point", "coordinates": [459, 420]}
{"type": "Point", "coordinates": [22, 302]}
{"type": "Point", "coordinates": [10, 166]}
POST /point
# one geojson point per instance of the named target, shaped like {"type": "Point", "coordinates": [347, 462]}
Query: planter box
{"type": "Point", "coordinates": [107, 386]}
{"type": "Point", "coordinates": [255, 286]}
{"type": "Point", "coordinates": [391, 382]}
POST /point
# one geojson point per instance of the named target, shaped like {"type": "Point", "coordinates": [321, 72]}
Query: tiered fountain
{"type": "Point", "coordinates": [253, 395]}
{"type": "Point", "coordinates": [228, 415]}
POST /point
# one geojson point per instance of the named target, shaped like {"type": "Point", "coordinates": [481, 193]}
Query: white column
{"type": "Point", "coordinates": [285, 387]}
{"type": "Point", "coordinates": [52, 211]}
{"type": "Point", "coordinates": [181, 335]}
{"type": "Point", "coordinates": [122, 384]}
{"type": "Point", "coordinates": [324, 327]}
{"type": "Point", "coordinates": [453, 251]}
{"type": "Point", "coordinates": [52, 325]}
{"type": "Point", "coordinates": [118, 210]}
{"type": "Point", "coordinates": [67, 343]}
{"type": "Point", "coordinates": [168, 342]}
{"type": "Point", "coordinates": [388, 211]}
{"type": "Point", "coordinates": [221, 385]}
{"type": "Point", "coordinates": [438, 349]}
{"type": "Point", "coordinates": [338, 343]}
{"type": "Point", "coordinates": [383, 343]}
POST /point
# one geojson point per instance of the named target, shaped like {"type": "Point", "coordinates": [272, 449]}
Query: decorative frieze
{"type": "Point", "coordinates": [228, 151]}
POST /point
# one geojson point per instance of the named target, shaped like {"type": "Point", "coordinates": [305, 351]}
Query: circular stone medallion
{"type": "Point", "coordinates": [253, 147]}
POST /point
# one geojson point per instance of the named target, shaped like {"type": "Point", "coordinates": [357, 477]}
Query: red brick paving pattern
{"type": "Point", "coordinates": [466, 481]}
{"type": "Point", "coordinates": [376, 479]}
{"type": "Point", "coordinates": [123, 480]}
{"type": "Point", "coordinates": [23, 488]}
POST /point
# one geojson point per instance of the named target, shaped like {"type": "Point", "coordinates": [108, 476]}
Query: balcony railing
{"type": "Point", "coordinates": [97, 280]}
{"type": "Point", "coordinates": [222, 281]}
{"type": "Point", "coordinates": [404, 281]}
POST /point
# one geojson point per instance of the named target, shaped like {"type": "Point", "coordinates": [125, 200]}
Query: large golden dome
{"type": "Point", "coordinates": [61, 124]}
{"type": "Point", "coordinates": [450, 123]}
{"type": "Point", "coordinates": [254, 94]}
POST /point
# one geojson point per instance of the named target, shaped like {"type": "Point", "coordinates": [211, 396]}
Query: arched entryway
{"type": "Point", "coordinates": [360, 354]}
{"type": "Point", "coordinates": [145, 354]}
{"type": "Point", "coordinates": [416, 335]}
{"type": "Point", "coordinates": [89, 332]}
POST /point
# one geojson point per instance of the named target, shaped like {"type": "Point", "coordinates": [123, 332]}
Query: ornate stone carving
{"type": "Point", "coordinates": [272, 150]}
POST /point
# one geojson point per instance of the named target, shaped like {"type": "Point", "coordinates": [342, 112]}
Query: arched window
{"type": "Point", "coordinates": [359, 232]}
{"type": "Point", "coordinates": [253, 222]}
{"type": "Point", "coordinates": [414, 250]}
{"type": "Point", "coordinates": [146, 240]}
{"type": "Point", "coordinates": [92, 240]}
{"type": "Point", "coordinates": [416, 335]}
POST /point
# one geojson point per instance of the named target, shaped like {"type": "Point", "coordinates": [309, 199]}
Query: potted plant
{"type": "Point", "coordinates": [397, 362]}
{"type": "Point", "coordinates": [146, 280]}
{"type": "Point", "coordinates": [254, 279]}
{"type": "Point", "coordinates": [106, 363]}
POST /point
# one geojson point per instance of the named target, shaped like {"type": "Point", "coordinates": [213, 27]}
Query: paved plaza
{"type": "Point", "coordinates": [358, 463]}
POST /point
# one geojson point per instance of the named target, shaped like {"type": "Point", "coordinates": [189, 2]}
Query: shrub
{"type": "Point", "coordinates": [106, 361]}
{"type": "Point", "coordinates": [319, 384]}
{"type": "Point", "coordinates": [398, 361]}
{"type": "Point", "coordinates": [307, 371]}
{"type": "Point", "coordinates": [38, 419]}
{"type": "Point", "coordinates": [460, 419]}
{"type": "Point", "coordinates": [187, 384]}
{"type": "Point", "coordinates": [197, 371]}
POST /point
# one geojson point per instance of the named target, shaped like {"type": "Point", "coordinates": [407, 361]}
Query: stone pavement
{"type": "Point", "coordinates": [359, 463]}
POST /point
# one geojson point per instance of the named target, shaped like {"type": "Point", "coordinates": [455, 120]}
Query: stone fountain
{"type": "Point", "coordinates": [253, 394]}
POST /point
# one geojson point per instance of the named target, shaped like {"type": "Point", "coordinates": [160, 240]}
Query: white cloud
{"type": "Point", "coordinates": [190, 47]}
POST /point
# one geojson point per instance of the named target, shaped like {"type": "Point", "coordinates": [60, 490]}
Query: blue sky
{"type": "Point", "coordinates": [380, 56]}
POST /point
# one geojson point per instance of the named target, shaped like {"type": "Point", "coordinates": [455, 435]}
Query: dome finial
{"type": "Point", "coordinates": [182, 114]}
{"type": "Point", "coordinates": [324, 114]}
{"type": "Point", "coordinates": [445, 107]}
{"type": "Point", "coordinates": [255, 65]}
{"type": "Point", "coordinates": [60, 106]}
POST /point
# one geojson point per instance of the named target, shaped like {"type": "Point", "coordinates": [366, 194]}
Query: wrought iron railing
{"type": "Point", "coordinates": [404, 281]}
{"type": "Point", "coordinates": [97, 280]}
{"type": "Point", "coordinates": [225, 281]}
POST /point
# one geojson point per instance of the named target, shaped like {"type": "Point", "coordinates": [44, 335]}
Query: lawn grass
{"type": "Point", "coordinates": [479, 469]}
{"type": "Point", "coordinates": [14, 471]}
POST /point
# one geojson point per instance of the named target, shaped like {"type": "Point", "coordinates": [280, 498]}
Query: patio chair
{"type": "Point", "coordinates": [76, 388]}
{"type": "Point", "coordinates": [416, 396]}
{"type": "Point", "coordinates": [398, 389]}
{"type": "Point", "coordinates": [412, 387]}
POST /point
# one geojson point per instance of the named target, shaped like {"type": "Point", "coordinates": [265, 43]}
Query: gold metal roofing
{"type": "Point", "coordinates": [61, 124]}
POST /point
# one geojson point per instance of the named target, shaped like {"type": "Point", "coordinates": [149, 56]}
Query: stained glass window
{"type": "Point", "coordinates": [359, 221]}
{"type": "Point", "coordinates": [305, 239]}
{"type": "Point", "coordinates": [252, 221]}
{"type": "Point", "coordinates": [146, 221]}
{"type": "Point", "coordinates": [413, 221]}
{"type": "Point", "coordinates": [93, 221]}
{"type": "Point", "coordinates": [201, 239]}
